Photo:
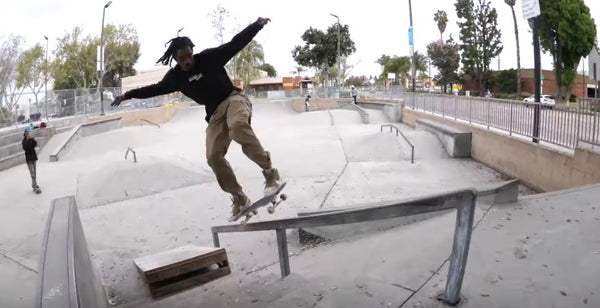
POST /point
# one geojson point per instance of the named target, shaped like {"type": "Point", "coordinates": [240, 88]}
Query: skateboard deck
{"type": "Point", "coordinates": [250, 210]}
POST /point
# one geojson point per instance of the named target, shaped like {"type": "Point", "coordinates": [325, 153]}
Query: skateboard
{"type": "Point", "coordinates": [37, 190]}
{"type": "Point", "coordinates": [274, 199]}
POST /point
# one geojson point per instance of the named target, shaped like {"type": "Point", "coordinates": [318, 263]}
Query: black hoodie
{"type": "Point", "coordinates": [29, 148]}
{"type": "Point", "coordinates": [207, 83]}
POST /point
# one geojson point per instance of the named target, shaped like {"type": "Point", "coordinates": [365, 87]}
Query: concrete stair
{"type": "Point", "coordinates": [11, 150]}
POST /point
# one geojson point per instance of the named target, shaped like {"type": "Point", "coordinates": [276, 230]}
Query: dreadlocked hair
{"type": "Point", "coordinates": [174, 45]}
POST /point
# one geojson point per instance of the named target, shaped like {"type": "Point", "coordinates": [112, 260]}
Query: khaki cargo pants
{"type": "Point", "coordinates": [231, 121]}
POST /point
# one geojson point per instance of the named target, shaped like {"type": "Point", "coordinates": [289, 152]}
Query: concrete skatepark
{"type": "Point", "coordinates": [331, 159]}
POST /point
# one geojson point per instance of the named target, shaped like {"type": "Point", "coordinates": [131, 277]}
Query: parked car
{"type": "Point", "coordinates": [546, 101]}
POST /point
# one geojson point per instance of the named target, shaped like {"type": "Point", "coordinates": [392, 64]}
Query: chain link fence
{"type": "Point", "coordinates": [72, 103]}
{"type": "Point", "coordinates": [560, 125]}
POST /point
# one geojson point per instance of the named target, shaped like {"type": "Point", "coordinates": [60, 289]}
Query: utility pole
{"type": "Point", "coordinates": [412, 47]}
{"type": "Point", "coordinates": [537, 81]}
{"type": "Point", "coordinates": [101, 59]}
{"type": "Point", "coordinates": [46, 79]}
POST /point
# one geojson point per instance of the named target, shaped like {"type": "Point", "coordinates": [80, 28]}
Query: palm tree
{"type": "Point", "coordinates": [298, 70]}
{"type": "Point", "coordinates": [511, 3]}
{"type": "Point", "coordinates": [398, 65]}
{"type": "Point", "coordinates": [248, 60]}
{"type": "Point", "coordinates": [420, 62]}
{"type": "Point", "coordinates": [441, 18]}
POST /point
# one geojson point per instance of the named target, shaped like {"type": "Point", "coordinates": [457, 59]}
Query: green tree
{"type": "Point", "coordinates": [298, 70]}
{"type": "Point", "coordinates": [320, 48]}
{"type": "Point", "coordinates": [10, 90]}
{"type": "Point", "coordinates": [399, 66]}
{"type": "Point", "coordinates": [357, 81]}
{"type": "Point", "coordinates": [420, 63]}
{"type": "Point", "coordinates": [271, 72]}
{"type": "Point", "coordinates": [122, 51]}
{"type": "Point", "coordinates": [445, 57]}
{"type": "Point", "coordinates": [74, 64]}
{"type": "Point", "coordinates": [248, 60]}
{"type": "Point", "coordinates": [383, 60]}
{"type": "Point", "coordinates": [511, 3]}
{"type": "Point", "coordinates": [480, 37]}
{"type": "Point", "coordinates": [441, 19]}
{"type": "Point", "coordinates": [31, 70]}
{"type": "Point", "coordinates": [568, 33]}
{"type": "Point", "coordinates": [506, 81]}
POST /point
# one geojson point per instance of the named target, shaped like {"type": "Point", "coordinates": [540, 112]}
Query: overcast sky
{"type": "Point", "coordinates": [378, 27]}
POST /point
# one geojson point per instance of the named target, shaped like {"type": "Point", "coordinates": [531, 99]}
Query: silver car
{"type": "Point", "coordinates": [546, 101]}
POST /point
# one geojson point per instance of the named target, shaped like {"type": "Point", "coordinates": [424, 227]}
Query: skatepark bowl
{"type": "Point", "coordinates": [379, 214]}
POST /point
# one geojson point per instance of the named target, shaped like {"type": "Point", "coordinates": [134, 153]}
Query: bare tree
{"type": "Point", "coordinates": [10, 56]}
{"type": "Point", "coordinates": [218, 17]}
{"type": "Point", "coordinates": [31, 71]}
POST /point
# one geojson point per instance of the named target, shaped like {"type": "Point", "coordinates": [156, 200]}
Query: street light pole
{"type": "Point", "coordinates": [412, 48]}
{"type": "Point", "coordinates": [101, 58]}
{"type": "Point", "coordinates": [338, 48]}
{"type": "Point", "coordinates": [537, 79]}
{"type": "Point", "coordinates": [46, 79]}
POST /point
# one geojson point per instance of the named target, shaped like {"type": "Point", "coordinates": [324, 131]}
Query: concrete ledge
{"type": "Point", "coordinates": [12, 160]}
{"type": "Point", "coordinates": [16, 137]}
{"type": "Point", "coordinates": [85, 130]}
{"type": "Point", "coordinates": [456, 142]}
{"type": "Point", "coordinates": [506, 192]}
{"type": "Point", "coordinates": [391, 110]}
{"type": "Point", "coordinates": [363, 113]}
{"type": "Point", "coordinates": [315, 104]}
{"type": "Point", "coordinates": [11, 149]}
{"type": "Point", "coordinates": [67, 277]}
{"type": "Point", "coordinates": [17, 156]}
{"type": "Point", "coordinates": [539, 167]}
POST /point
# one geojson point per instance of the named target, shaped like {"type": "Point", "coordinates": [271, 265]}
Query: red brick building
{"type": "Point", "coordinates": [280, 83]}
{"type": "Point", "coordinates": [583, 86]}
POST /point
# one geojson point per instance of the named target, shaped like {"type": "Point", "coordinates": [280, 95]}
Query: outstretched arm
{"type": "Point", "coordinates": [225, 52]}
{"type": "Point", "coordinates": [165, 86]}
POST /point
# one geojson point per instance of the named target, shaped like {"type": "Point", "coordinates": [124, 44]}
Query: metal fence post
{"type": "Point", "coordinates": [578, 125]}
{"type": "Point", "coordinates": [216, 240]}
{"type": "Point", "coordinates": [510, 103]}
{"type": "Point", "coordinates": [284, 258]}
{"type": "Point", "coordinates": [594, 141]}
{"type": "Point", "coordinates": [488, 112]}
{"type": "Point", "coordinates": [460, 250]}
{"type": "Point", "coordinates": [454, 100]}
{"type": "Point", "coordinates": [443, 109]}
{"type": "Point", "coordinates": [470, 107]}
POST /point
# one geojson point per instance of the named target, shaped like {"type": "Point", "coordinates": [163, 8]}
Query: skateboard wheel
{"type": "Point", "coordinates": [255, 212]}
{"type": "Point", "coordinates": [283, 197]}
{"type": "Point", "coordinates": [271, 210]}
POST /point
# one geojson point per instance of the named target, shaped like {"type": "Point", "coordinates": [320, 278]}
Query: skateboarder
{"type": "Point", "coordinates": [202, 77]}
{"type": "Point", "coordinates": [29, 143]}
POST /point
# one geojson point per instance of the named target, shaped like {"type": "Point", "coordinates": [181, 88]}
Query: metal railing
{"type": "Point", "coordinates": [463, 201]}
{"type": "Point", "coordinates": [134, 155]}
{"type": "Point", "coordinates": [559, 125]}
{"type": "Point", "coordinates": [142, 121]}
{"type": "Point", "coordinates": [412, 147]}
